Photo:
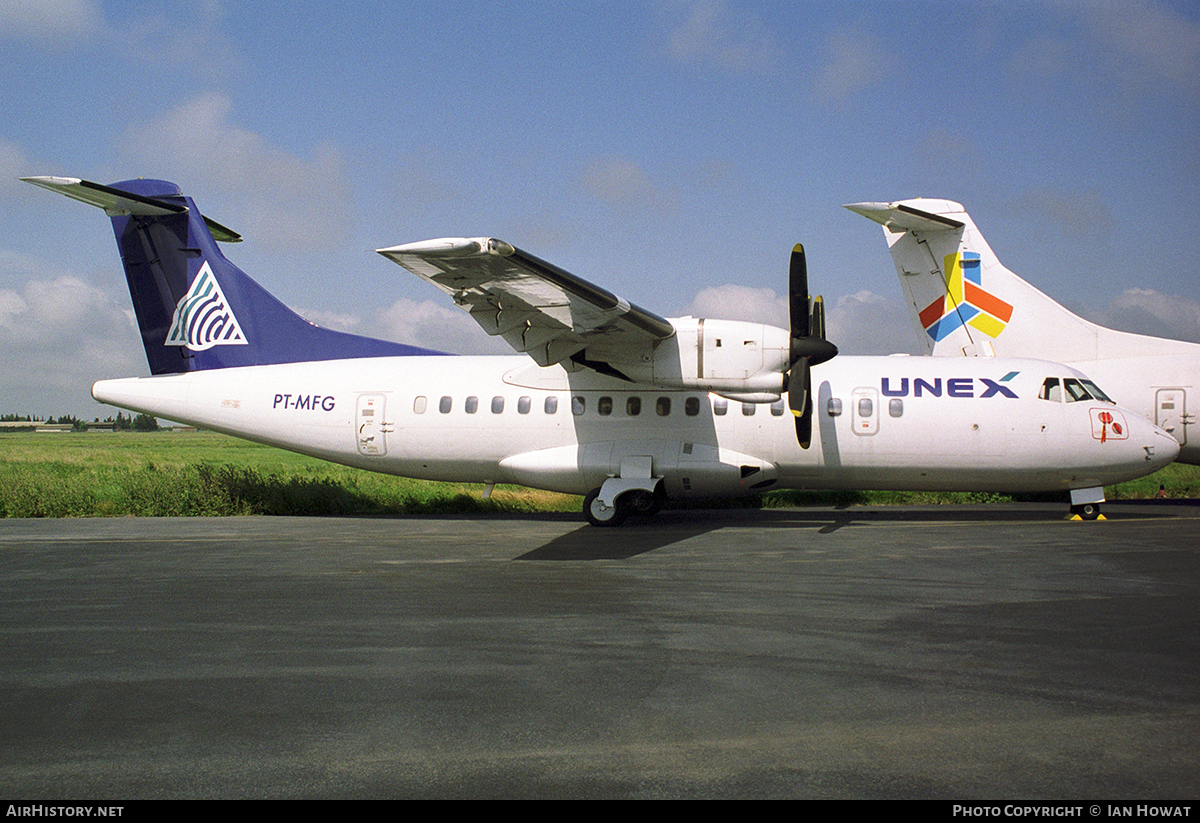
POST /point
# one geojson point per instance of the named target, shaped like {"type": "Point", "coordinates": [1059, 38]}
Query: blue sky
{"type": "Point", "coordinates": [671, 151]}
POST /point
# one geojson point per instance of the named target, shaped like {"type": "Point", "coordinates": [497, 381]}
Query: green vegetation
{"type": "Point", "coordinates": [98, 474]}
{"type": "Point", "coordinates": [166, 474]}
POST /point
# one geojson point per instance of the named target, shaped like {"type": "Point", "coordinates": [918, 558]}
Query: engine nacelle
{"type": "Point", "coordinates": [728, 357]}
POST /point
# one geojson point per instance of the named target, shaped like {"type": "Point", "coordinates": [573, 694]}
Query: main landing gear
{"type": "Point", "coordinates": [634, 501]}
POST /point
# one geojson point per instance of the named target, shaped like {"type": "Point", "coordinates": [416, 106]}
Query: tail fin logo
{"type": "Point", "coordinates": [965, 301]}
{"type": "Point", "coordinates": [203, 318]}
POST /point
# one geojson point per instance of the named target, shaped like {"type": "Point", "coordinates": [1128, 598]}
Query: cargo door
{"type": "Point", "coordinates": [371, 425]}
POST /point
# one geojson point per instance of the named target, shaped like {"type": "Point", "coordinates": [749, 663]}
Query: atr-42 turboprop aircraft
{"type": "Point", "coordinates": [965, 302]}
{"type": "Point", "coordinates": [611, 401]}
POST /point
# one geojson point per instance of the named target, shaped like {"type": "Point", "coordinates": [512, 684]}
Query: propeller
{"type": "Point", "coordinates": [808, 344]}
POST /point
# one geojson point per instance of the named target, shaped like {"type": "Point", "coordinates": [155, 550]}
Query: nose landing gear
{"type": "Point", "coordinates": [1085, 503]}
{"type": "Point", "coordinates": [1086, 511]}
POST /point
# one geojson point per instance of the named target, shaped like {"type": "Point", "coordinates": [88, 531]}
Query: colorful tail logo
{"type": "Point", "coordinates": [203, 318]}
{"type": "Point", "coordinates": [965, 301]}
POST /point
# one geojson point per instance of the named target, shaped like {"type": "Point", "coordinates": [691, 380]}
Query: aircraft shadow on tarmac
{"type": "Point", "coordinates": [642, 536]}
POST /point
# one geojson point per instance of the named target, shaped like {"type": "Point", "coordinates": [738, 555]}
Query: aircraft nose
{"type": "Point", "coordinates": [1163, 448]}
{"type": "Point", "coordinates": [1156, 447]}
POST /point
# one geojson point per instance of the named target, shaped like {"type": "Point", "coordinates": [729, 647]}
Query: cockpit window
{"type": "Point", "coordinates": [1075, 390]}
{"type": "Point", "coordinates": [1051, 390]}
{"type": "Point", "coordinates": [1095, 391]}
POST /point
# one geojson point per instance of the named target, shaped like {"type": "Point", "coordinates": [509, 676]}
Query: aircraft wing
{"type": "Point", "coordinates": [550, 314]}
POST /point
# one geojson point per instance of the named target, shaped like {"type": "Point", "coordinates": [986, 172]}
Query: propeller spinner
{"type": "Point", "coordinates": [808, 344]}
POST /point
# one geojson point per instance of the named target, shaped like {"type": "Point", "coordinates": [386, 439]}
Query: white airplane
{"type": "Point", "coordinates": [965, 302]}
{"type": "Point", "coordinates": [617, 403]}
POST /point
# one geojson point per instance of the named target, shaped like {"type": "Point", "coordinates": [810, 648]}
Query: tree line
{"type": "Point", "coordinates": [122, 422]}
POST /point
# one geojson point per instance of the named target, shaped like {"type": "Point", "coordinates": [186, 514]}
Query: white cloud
{"type": "Point", "coordinates": [734, 302]}
{"type": "Point", "coordinates": [853, 60]}
{"type": "Point", "coordinates": [1139, 47]}
{"type": "Point", "coordinates": [197, 40]}
{"type": "Point", "coordinates": [1072, 213]}
{"type": "Point", "coordinates": [59, 334]}
{"type": "Point", "coordinates": [50, 21]}
{"type": "Point", "coordinates": [14, 163]}
{"type": "Point", "coordinates": [866, 323]}
{"type": "Point", "coordinates": [426, 323]}
{"type": "Point", "coordinates": [1146, 37]}
{"type": "Point", "coordinates": [193, 30]}
{"type": "Point", "coordinates": [712, 32]}
{"type": "Point", "coordinates": [435, 326]}
{"type": "Point", "coordinates": [860, 323]}
{"type": "Point", "coordinates": [287, 201]}
{"type": "Point", "coordinates": [338, 321]}
{"type": "Point", "coordinates": [1145, 311]}
{"type": "Point", "coordinates": [625, 186]}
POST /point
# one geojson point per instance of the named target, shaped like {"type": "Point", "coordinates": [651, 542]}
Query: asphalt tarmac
{"type": "Point", "coordinates": [956, 652]}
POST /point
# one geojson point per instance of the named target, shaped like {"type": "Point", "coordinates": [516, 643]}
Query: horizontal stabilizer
{"type": "Point", "coordinates": [902, 216]}
{"type": "Point", "coordinates": [117, 203]}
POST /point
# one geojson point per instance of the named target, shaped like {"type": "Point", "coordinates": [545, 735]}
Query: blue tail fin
{"type": "Point", "coordinates": [195, 309]}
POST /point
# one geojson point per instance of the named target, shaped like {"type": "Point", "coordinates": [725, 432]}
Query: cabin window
{"type": "Point", "coordinates": [472, 405]}
{"type": "Point", "coordinates": [445, 404]}
{"type": "Point", "coordinates": [834, 407]}
{"type": "Point", "coordinates": [720, 406]}
{"type": "Point", "coordinates": [604, 406]}
{"type": "Point", "coordinates": [748, 409]}
{"type": "Point", "coordinates": [523, 405]}
{"type": "Point", "coordinates": [777, 408]}
{"type": "Point", "coordinates": [662, 406]}
{"type": "Point", "coordinates": [633, 406]}
{"type": "Point", "coordinates": [896, 407]}
{"type": "Point", "coordinates": [578, 405]}
{"type": "Point", "coordinates": [691, 406]}
{"type": "Point", "coordinates": [497, 405]}
{"type": "Point", "coordinates": [551, 405]}
{"type": "Point", "coordinates": [866, 408]}
{"type": "Point", "coordinates": [1051, 390]}
{"type": "Point", "coordinates": [419, 404]}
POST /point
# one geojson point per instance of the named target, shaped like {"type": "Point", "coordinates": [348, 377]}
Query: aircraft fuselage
{"type": "Point", "coordinates": [879, 422]}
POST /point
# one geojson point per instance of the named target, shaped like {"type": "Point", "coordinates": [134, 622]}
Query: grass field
{"type": "Point", "coordinates": [104, 474]}
{"type": "Point", "coordinates": [161, 474]}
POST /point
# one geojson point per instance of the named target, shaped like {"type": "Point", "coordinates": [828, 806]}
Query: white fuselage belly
{"type": "Point", "coordinates": [952, 430]}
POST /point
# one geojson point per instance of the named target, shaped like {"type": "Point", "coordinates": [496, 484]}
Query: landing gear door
{"type": "Point", "coordinates": [1170, 413]}
{"type": "Point", "coordinates": [371, 425]}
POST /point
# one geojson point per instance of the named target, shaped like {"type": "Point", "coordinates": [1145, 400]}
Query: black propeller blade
{"type": "Point", "coordinates": [808, 344]}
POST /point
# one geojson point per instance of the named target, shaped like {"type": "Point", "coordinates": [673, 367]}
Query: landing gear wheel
{"type": "Point", "coordinates": [644, 502]}
{"type": "Point", "coordinates": [600, 515]}
{"type": "Point", "coordinates": [1087, 511]}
